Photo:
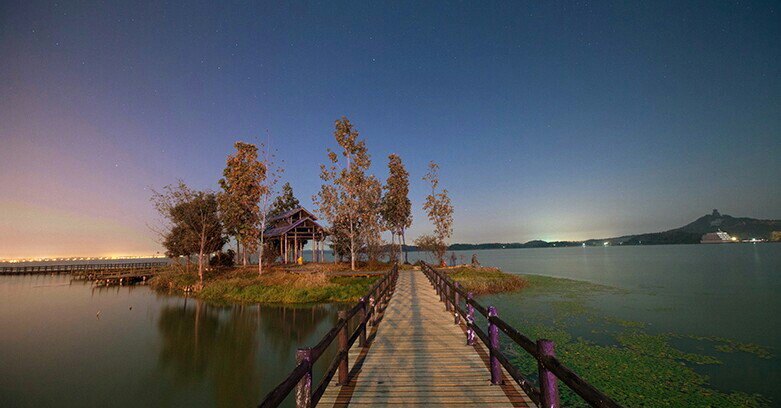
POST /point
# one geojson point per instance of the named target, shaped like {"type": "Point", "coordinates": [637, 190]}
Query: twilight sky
{"type": "Point", "coordinates": [552, 121]}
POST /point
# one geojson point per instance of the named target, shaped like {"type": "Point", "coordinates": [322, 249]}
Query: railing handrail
{"type": "Point", "coordinates": [301, 375]}
{"type": "Point", "coordinates": [547, 362]}
{"type": "Point", "coordinates": [78, 267]}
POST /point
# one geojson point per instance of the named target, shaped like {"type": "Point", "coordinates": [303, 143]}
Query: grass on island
{"type": "Point", "coordinates": [483, 280]}
{"type": "Point", "coordinates": [310, 283]}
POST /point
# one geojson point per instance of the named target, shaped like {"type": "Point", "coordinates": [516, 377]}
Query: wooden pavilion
{"type": "Point", "coordinates": [290, 231]}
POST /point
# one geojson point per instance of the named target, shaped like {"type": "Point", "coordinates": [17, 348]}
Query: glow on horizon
{"type": "Point", "coordinates": [80, 258]}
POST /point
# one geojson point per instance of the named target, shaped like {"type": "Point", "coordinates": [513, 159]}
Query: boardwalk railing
{"type": "Point", "coordinates": [300, 379]}
{"type": "Point", "coordinates": [549, 367]}
{"type": "Point", "coordinates": [23, 269]}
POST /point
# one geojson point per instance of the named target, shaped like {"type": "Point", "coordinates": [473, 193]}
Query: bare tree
{"type": "Point", "coordinates": [267, 190]}
{"type": "Point", "coordinates": [396, 206]}
{"type": "Point", "coordinates": [439, 210]}
{"type": "Point", "coordinates": [349, 196]}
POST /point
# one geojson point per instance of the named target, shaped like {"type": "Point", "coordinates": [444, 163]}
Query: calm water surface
{"type": "Point", "coordinates": [144, 349]}
{"type": "Point", "coordinates": [731, 291]}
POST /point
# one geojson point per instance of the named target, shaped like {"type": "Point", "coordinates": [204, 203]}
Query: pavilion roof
{"type": "Point", "coordinates": [281, 230]}
{"type": "Point", "coordinates": [290, 213]}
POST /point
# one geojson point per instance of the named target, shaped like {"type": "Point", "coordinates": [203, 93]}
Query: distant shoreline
{"type": "Point", "coordinates": [562, 244]}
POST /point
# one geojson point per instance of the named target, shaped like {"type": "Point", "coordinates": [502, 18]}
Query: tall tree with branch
{"type": "Point", "coordinates": [439, 210]}
{"type": "Point", "coordinates": [396, 207]}
{"type": "Point", "coordinates": [273, 172]}
{"type": "Point", "coordinates": [193, 221]}
{"type": "Point", "coordinates": [242, 187]}
{"type": "Point", "coordinates": [348, 196]}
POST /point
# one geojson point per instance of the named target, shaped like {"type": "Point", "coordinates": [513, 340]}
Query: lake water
{"type": "Point", "coordinates": [68, 344]}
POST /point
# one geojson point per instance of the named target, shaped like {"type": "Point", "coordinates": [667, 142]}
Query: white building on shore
{"type": "Point", "coordinates": [718, 237]}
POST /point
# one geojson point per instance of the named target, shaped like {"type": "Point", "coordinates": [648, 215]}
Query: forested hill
{"type": "Point", "coordinates": [740, 227]}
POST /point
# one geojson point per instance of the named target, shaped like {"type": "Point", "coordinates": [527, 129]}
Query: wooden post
{"type": "Point", "coordinates": [343, 338]}
{"type": "Point", "coordinates": [493, 343]}
{"type": "Point", "coordinates": [447, 297]}
{"type": "Point", "coordinates": [549, 389]}
{"type": "Point", "coordinates": [456, 302]}
{"type": "Point", "coordinates": [373, 307]}
{"type": "Point", "coordinates": [470, 320]}
{"type": "Point", "coordinates": [304, 386]}
{"type": "Point", "coordinates": [362, 317]}
{"type": "Point", "coordinates": [295, 247]}
{"type": "Point", "coordinates": [284, 247]}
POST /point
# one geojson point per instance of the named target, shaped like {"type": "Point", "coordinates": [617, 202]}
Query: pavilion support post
{"type": "Point", "coordinates": [344, 349]}
{"type": "Point", "coordinates": [295, 247]}
{"type": "Point", "coordinates": [493, 340]}
{"type": "Point", "coordinates": [549, 389]}
{"type": "Point", "coordinates": [304, 386]}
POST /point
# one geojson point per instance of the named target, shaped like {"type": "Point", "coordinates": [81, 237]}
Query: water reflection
{"type": "Point", "coordinates": [241, 352]}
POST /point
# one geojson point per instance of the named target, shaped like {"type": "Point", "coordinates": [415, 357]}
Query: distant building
{"type": "Point", "coordinates": [718, 237]}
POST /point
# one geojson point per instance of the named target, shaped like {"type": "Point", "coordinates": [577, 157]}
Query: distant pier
{"type": "Point", "coordinates": [80, 267]}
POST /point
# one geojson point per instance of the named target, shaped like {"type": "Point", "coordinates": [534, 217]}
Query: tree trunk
{"type": "Point", "coordinates": [200, 262]}
{"type": "Point", "coordinates": [260, 247]}
{"type": "Point", "coordinates": [352, 247]}
{"type": "Point", "coordinates": [404, 246]}
{"type": "Point", "coordinates": [393, 248]}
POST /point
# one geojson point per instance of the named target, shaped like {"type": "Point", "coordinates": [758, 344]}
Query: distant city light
{"type": "Point", "coordinates": [81, 258]}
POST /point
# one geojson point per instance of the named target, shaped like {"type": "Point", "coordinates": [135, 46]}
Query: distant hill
{"type": "Point", "coordinates": [742, 228]}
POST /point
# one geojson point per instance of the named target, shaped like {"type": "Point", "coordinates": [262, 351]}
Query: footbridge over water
{"type": "Point", "coordinates": [415, 342]}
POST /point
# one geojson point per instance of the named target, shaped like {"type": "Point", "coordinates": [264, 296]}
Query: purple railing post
{"type": "Point", "coordinates": [343, 339]}
{"type": "Point", "coordinates": [470, 320]}
{"type": "Point", "coordinates": [549, 388]}
{"type": "Point", "coordinates": [362, 320]}
{"type": "Point", "coordinates": [304, 386]}
{"type": "Point", "coordinates": [456, 302]}
{"type": "Point", "coordinates": [373, 307]}
{"type": "Point", "coordinates": [493, 342]}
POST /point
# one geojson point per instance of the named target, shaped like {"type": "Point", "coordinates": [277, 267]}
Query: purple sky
{"type": "Point", "coordinates": [550, 121]}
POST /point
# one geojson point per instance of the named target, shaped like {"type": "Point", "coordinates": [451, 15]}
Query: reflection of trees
{"type": "Point", "coordinates": [240, 352]}
{"type": "Point", "coordinates": [201, 344]}
{"type": "Point", "coordinates": [285, 328]}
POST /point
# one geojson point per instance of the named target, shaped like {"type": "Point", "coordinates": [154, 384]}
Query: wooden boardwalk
{"type": "Point", "coordinates": [418, 356]}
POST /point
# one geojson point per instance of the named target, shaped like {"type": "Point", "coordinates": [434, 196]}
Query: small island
{"type": "Point", "coordinates": [313, 282]}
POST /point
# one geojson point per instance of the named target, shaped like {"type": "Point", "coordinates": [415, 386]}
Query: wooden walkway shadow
{"type": "Point", "coordinates": [418, 356]}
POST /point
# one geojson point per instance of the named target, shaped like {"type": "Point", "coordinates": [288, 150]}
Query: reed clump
{"type": "Point", "coordinates": [483, 280]}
